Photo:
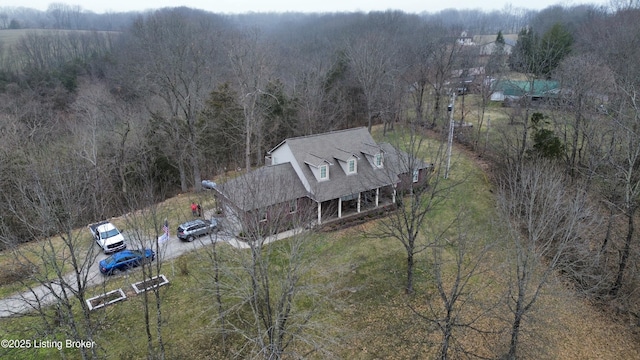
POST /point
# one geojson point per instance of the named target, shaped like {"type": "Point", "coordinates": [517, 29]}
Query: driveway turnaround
{"type": "Point", "coordinates": [45, 295]}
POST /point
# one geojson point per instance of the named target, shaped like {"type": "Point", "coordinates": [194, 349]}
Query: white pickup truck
{"type": "Point", "coordinates": [107, 236]}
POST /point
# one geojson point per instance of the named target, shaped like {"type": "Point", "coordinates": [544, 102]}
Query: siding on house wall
{"type": "Point", "coordinates": [406, 179]}
{"type": "Point", "coordinates": [284, 154]}
{"type": "Point", "coordinates": [279, 218]}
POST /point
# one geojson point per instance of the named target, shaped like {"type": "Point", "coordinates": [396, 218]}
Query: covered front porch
{"type": "Point", "coordinates": [354, 204]}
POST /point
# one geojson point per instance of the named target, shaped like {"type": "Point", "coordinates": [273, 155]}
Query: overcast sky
{"type": "Point", "coordinates": [243, 6]}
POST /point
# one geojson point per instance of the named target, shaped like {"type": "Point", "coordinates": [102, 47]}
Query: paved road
{"type": "Point", "coordinates": [27, 301]}
{"type": "Point", "coordinates": [38, 296]}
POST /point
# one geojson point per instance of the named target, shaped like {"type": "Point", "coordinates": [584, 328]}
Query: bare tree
{"type": "Point", "coordinates": [371, 56]}
{"type": "Point", "coordinates": [311, 91]}
{"type": "Point", "coordinates": [588, 82]}
{"type": "Point", "coordinates": [105, 134]}
{"type": "Point", "coordinates": [457, 264]}
{"type": "Point", "coordinates": [407, 223]}
{"type": "Point", "coordinates": [251, 68]}
{"type": "Point", "coordinates": [174, 55]}
{"type": "Point", "coordinates": [49, 200]}
{"type": "Point", "coordinates": [145, 231]}
{"type": "Point", "coordinates": [609, 37]}
{"type": "Point", "coordinates": [418, 54]}
{"type": "Point", "coordinates": [627, 173]}
{"type": "Point", "coordinates": [542, 217]}
{"type": "Point", "coordinates": [441, 62]}
{"type": "Point", "coordinates": [264, 290]}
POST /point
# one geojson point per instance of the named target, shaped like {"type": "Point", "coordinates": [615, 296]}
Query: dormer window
{"type": "Point", "coordinates": [352, 166]}
{"type": "Point", "coordinates": [324, 172]}
{"type": "Point", "coordinates": [378, 160]}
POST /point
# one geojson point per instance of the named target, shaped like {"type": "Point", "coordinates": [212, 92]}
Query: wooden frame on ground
{"type": "Point", "coordinates": [150, 283]}
{"type": "Point", "coordinates": [105, 299]}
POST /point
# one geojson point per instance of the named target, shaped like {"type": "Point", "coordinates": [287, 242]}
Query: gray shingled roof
{"type": "Point", "coordinates": [399, 162]}
{"type": "Point", "coordinates": [340, 145]}
{"type": "Point", "coordinates": [333, 144]}
{"type": "Point", "coordinates": [264, 186]}
{"type": "Point", "coordinates": [279, 183]}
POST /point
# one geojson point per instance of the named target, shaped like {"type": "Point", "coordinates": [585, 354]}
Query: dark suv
{"type": "Point", "coordinates": [189, 231]}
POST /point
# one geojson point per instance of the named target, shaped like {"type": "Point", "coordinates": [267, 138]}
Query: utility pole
{"type": "Point", "coordinates": [450, 139]}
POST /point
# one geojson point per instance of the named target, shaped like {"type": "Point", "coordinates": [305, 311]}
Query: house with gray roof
{"type": "Point", "coordinates": [319, 178]}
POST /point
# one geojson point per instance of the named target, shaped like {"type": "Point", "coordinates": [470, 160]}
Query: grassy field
{"type": "Point", "coordinates": [10, 37]}
{"type": "Point", "coordinates": [366, 314]}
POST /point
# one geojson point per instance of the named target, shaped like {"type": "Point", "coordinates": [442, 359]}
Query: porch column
{"type": "Point", "coordinates": [359, 202]}
{"type": "Point", "coordinates": [393, 197]}
{"type": "Point", "coordinates": [319, 213]}
{"type": "Point", "coordinates": [377, 196]}
{"type": "Point", "coordinates": [339, 207]}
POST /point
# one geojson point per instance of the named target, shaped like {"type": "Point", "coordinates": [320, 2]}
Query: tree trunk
{"type": "Point", "coordinates": [608, 233]}
{"type": "Point", "coordinates": [515, 333]}
{"type": "Point", "coordinates": [183, 176]}
{"type": "Point", "coordinates": [197, 177]}
{"type": "Point", "coordinates": [436, 109]}
{"type": "Point", "coordinates": [419, 106]}
{"type": "Point", "coordinates": [625, 255]}
{"type": "Point", "coordinates": [247, 144]}
{"type": "Point", "coordinates": [574, 145]}
{"type": "Point", "coordinates": [444, 347]}
{"type": "Point", "coordinates": [193, 156]}
{"type": "Point", "coordinates": [410, 261]}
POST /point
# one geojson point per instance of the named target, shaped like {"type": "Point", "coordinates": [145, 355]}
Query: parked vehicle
{"type": "Point", "coordinates": [107, 236]}
{"type": "Point", "coordinates": [125, 260]}
{"type": "Point", "coordinates": [208, 184]}
{"type": "Point", "coordinates": [189, 231]}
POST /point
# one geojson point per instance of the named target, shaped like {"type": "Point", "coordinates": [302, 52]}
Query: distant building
{"type": "Point", "coordinates": [465, 39]}
{"type": "Point", "coordinates": [490, 48]}
{"type": "Point", "coordinates": [516, 89]}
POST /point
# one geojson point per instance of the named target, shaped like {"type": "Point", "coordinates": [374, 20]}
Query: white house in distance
{"type": "Point", "coordinates": [328, 176]}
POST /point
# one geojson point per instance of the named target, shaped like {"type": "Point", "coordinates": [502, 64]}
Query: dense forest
{"type": "Point", "coordinates": [110, 112]}
{"type": "Point", "coordinates": [178, 95]}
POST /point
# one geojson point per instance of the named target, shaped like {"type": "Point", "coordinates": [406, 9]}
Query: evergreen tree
{"type": "Point", "coordinates": [279, 113]}
{"type": "Point", "coordinates": [522, 56]}
{"type": "Point", "coordinates": [223, 120]}
{"type": "Point", "coordinates": [545, 142]}
{"type": "Point", "coordinates": [554, 46]}
{"type": "Point", "coordinates": [500, 39]}
{"type": "Point", "coordinates": [540, 56]}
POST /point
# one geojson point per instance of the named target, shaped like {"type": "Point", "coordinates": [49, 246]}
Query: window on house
{"type": "Point", "coordinates": [379, 160]}
{"type": "Point", "coordinates": [263, 215]}
{"type": "Point", "coordinates": [293, 206]}
{"type": "Point", "coordinates": [351, 166]}
{"type": "Point", "coordinates": [324, 172]}
{"type": "Point", "coordinates": [416, 175]}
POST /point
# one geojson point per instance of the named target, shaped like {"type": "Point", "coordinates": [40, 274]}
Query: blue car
{"type": "Point", "coordinates": [124, 260]}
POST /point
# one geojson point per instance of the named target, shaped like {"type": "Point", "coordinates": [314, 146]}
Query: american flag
{"type": "Point", "coordinates": [165, 229]}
